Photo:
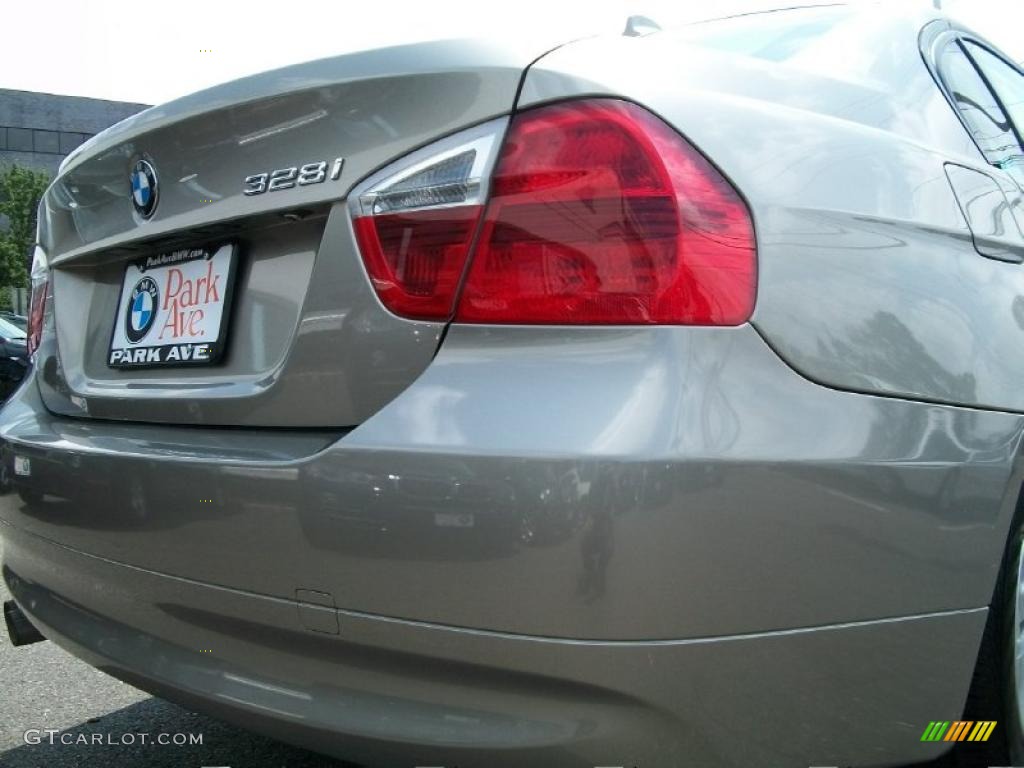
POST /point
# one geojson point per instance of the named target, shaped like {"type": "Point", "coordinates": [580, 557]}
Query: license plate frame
{"type": "Point", "coordinates": [185, 308]}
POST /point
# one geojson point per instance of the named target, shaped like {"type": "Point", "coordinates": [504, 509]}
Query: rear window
{"type": "Point", "coordinates": [1006, 81]}
{"type": "Point", "coordinates": [985, 119]}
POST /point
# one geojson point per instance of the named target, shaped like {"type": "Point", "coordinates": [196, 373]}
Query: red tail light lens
{"type": "Point", "coordinates": [37, 303]}
{"type": "Point", "coordinates": [415, 221]}
{"type": "Point", "coordinates": [600, 213]}
{"type": "Point", "coordinates": [416, 259]}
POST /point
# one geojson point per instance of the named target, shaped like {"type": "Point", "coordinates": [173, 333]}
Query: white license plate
{"type": "Point", "coordinates": [174, 309]}
{"type": "Point", "coordinates": [22, 466]}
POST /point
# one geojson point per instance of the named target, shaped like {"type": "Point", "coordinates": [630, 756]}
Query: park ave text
{"type": "Point", "coordinates": [182, 298]}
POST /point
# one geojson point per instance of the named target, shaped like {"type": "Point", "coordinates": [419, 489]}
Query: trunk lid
{"type": "Point", "coordinates": [307, 341]}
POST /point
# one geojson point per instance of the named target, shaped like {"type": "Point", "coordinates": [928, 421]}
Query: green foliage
{"type": "Point", "coordinates": [20, 190]}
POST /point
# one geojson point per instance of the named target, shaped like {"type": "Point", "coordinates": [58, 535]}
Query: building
{"type": "Point", "coordinates": [40, 129]}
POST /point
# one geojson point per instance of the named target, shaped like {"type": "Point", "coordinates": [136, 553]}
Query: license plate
{"type": "Point", "coordinates": [22, 466]}
{"type": "Point", "coordinates": [174, 309]}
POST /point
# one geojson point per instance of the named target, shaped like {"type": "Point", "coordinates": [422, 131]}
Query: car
{"type": "Point", "coordinates": [13, 357]}
{"type": "Point", "coordinates": [650, 399]}
{"type": "Point", "coordinates": [19, 321]}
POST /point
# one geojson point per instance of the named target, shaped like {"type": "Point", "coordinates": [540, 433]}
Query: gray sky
{"type": "Point", "coordinates": [154, 51]}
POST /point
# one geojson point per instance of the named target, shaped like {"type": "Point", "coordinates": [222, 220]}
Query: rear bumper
{"type": "Point", "coordinates": [596, 547]}
{"type": "Point", "coordinates": [406, 693]}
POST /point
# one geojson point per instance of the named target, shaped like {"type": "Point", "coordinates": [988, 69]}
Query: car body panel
{"type": "Point", "coordinates": [864, 280]}
{"type": "Point", "coordinates": [404, 693]}
{"type": "Point", "coordinates": [307, 320]}
{"type": "Point", "coordinates": [566, 472]}
{"type": "Point", "coordinates": [988, 213]}
{"type": "Point", "coordinates": [309, 344]}
{"type": "Point", "coordinates": [368, 108]}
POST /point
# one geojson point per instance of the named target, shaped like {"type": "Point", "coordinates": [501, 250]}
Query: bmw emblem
{"type": "Point", "coordinates": [145, 193]}
{"type": "Point", "coordinates": [141, 309]}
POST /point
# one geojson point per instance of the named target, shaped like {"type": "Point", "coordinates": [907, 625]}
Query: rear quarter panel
{"type": "Point", "coordinates": [868, 280]}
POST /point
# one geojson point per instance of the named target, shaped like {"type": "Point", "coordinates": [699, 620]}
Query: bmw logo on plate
{"type": "Point", "coordinates": [141, 309]}
{"type": "Point", "coordinates": [144, 188]}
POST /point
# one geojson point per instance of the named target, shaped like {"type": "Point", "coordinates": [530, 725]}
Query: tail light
{"type": "Point", "coordinates": [40, 298]}
{"type": "Point", "coordinates": [415, 221]}
{"type": "Point", "coordinates": [599, 213]}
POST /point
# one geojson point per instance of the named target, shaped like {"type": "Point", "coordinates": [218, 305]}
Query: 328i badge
{"type": "Point", "coordinates": [174, 309]}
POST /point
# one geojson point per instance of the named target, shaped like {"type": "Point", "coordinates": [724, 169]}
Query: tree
{"type": "Point", "coordinates": [20, 191]}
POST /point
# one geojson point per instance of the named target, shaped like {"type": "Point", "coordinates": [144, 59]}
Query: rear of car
{"type": "Point", "coordinates": [447, 404]}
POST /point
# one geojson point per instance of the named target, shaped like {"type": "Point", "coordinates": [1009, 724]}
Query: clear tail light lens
{"type": "Point", "coordinates": [599, 213]}
{"type": "Point", "coordinates": [40, 298]}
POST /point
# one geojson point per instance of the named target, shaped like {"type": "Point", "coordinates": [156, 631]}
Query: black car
{"type": "Point", "coordinates": [13, 357]}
